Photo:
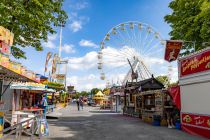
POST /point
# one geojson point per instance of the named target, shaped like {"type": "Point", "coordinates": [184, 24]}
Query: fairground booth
{"type": "Point", "coordinates": [192, 95]}
{"type": "Point", "coordinates": [99, 97]}
{"type": "Point", "coordinates": [18, 87]}
{"type": "Point", "coordinates": [147, 99]}
{"type": "Point", "coordinates": [194, 81]}
{"type": "Point", "coordinates": [117, 98]}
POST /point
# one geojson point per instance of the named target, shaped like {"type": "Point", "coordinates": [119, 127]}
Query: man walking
{"type": "Point", "coordinates": [81, 102]}
{"type": "Point", "coordinates": [78, 104]}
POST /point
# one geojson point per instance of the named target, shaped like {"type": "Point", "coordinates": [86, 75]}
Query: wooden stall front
{"type": "Point", "coordinates": [134, 103]}
{"type": "Point", "coordinates": [151, 103]}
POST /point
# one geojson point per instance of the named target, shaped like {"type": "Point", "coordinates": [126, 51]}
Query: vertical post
{"type": "Point", "coordinates": [60, 48]}
{"type": "Point", "coordinates": [32, 128]}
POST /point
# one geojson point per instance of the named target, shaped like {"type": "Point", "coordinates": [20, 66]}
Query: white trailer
{"type": "Point", "coordinates": [194, 81]}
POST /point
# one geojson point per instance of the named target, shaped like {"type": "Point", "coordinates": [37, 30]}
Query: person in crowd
{"type": "Point", "coordinates": [81, 102]}
{"type": "Point", "coordinates": [44, 104]}
{"type": "Point", "coordinates": [169, 108]}
{"type": "Point", "coordinates": [78, 103]}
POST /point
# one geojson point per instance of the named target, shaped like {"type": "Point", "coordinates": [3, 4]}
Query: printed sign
{"type": "Point", "coordinates": [172, 50]}
{"type": "Point", "coordinates": [6, 36]}
{"type": "Point", "coordinates": [195, 64]}
{"type": "Point", "coordinates": [60, 78]}
{"type": "Point", "coordinates": [196, 120]}
{"type": "Point", "coordinates": [70, 88]}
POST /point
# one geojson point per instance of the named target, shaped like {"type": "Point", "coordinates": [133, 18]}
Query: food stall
{"type": "Point", "coordinates": [135, 96]}
{"type": "Point", "coordinates": [194, 82]}
{"type": "Point", "coordinates": [99, 98]}
{"type": "Point", "coordinates": [31, 97]}
{"type": "Point", "coordinates": [151, 104]}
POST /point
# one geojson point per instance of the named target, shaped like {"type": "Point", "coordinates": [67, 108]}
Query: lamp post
{"type": "Point", "coordinates": [60, 46]}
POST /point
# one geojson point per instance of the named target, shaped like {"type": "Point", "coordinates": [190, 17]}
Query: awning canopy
{"type": "Point", "coordinates": [8, 74]}
{"type": "Point", "coordinates": [30, 86]}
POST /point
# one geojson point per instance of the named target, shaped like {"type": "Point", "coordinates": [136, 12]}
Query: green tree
{"type": "Point", "coordinates": [31, 21]}
{"type": "Point", "coordinates": [190, 21]}
{"type": "Point", "coordinates": [95, 90]}
{"type": "Point", "coordinates": [163, 79]}
{"type": "Point", "coordinates": [84, 93]}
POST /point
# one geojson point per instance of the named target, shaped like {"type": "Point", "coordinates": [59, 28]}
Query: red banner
{"type": "Point", "coordinates": [175, 93]}
{"type": "Point", "coordinates": [195, 64]}
{"type": "Point", "coordinates": [196, 124]}
{"type": "Point", "coordinates": [172, 50]}
{"type": "Point", "coordinates": [200, 121]}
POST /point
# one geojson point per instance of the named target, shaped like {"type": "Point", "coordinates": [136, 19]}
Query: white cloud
{"type": "Point", "coordinates": [79, 5]}
{"type": "Point", "coordinates": [84, 63]}
{"type": "Point", "coordinates": [50, 43]}
{"type": "Point", "coordinates": [75, 26]}
{"type": "Point", "coordinates": [68, 48]}
{"type": "Point", "coordinates": [115, 67]}
{"type": "Point", "coordinates": [86, 83]}
{"type": "Point", "coordinates": [87, 43]}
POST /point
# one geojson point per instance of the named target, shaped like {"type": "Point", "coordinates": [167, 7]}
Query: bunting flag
{"type": "Point", "coordinates": [54, 63]}
{"type": "Point", "coordinates": [49, 54]}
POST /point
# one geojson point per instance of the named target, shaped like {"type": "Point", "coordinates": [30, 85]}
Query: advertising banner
{"type": "Point", "coordinates": [6, 36]}
{"type": "Point", "coordinates": [196, 124]}
{"type": "Point", "coordinates": [60, 78]}
{"type": "Point", "coordinates": [195, 64]}
{"type": "Point", "coordinates": [49, 54]}
{"type": "Point", "coordinates": [196, 120]}
{"type": "Point", "coordinates": [172, 49]}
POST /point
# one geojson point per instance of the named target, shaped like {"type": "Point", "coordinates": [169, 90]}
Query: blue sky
{"type": "Point", "coordinates": [89, 21]}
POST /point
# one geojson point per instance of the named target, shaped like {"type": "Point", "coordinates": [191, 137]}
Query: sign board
{"type": "Point", "coordinates": [6, 36]}
{"type": "Point", "coordinates": [60, 78]}
{"type": "Point", "coordinates": [196, 120]}
{"type": "Point", "coordinates": [172, 49]}
{"type": "Point", "coordinates": [70, 88]}
{"type": "Point", "coordinates": [195, 64]}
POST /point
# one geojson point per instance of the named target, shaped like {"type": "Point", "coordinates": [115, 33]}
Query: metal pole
{"type": "Point", "coordinates": [66, 73]}
{"type": "Point", "coordinates": [60, 49]}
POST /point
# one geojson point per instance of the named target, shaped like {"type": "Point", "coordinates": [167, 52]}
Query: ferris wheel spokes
{"type": "Point", "coordinates": [130, 40]}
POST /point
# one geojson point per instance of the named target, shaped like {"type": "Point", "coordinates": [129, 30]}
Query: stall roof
{"type": "Point", "coordinates": [8, 74]}
{"type": "Point", "coordinates": [39, 87]}
{"type": "Point", "coordinates": [147, 84]}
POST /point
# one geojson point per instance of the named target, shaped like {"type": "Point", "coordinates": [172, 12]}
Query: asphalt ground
{"type": "Point", "coordinates": [93, 124]}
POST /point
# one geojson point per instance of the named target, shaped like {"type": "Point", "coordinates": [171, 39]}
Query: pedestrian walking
{"type": "Point", "coordinates": [81, 102]}
{"type": "Point", "coordinates": [78, 104]}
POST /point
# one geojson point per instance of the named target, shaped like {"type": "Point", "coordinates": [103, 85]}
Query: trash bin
{"type": "Point", "coordinates": [156, 120]}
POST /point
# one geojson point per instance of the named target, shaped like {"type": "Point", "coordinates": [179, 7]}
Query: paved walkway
{"type": "Point", "coordinates": [89, 124]}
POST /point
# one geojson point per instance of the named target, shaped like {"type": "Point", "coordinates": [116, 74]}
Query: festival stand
{"type": "Point", "coordinates": [30, 100]}
{"type": "Point", "coordinates": [194, 81]}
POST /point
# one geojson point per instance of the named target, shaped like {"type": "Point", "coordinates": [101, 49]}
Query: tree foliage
{"type": "Point", "coordinates": [31, 21]}
{"type": "Point", "coordinates": [163, 79]}
{"type": "Point", "coordinates": [190, 21]}
{"type": "Point", "coordinates": [95, 90]}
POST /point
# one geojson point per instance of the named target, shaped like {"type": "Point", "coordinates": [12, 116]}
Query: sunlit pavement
{"type": "Point", "coordinates": [90, 124]}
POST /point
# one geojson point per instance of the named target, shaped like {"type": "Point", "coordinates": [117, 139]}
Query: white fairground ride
{"type": "Point", "coordinates": [130, 51]}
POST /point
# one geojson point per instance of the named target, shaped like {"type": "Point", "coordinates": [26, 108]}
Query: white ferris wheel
{"type": "Point", "coordinates": [130, 50]}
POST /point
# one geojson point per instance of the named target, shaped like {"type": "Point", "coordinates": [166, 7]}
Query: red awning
{"type": "Point", "coordinates": [175, 94]}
